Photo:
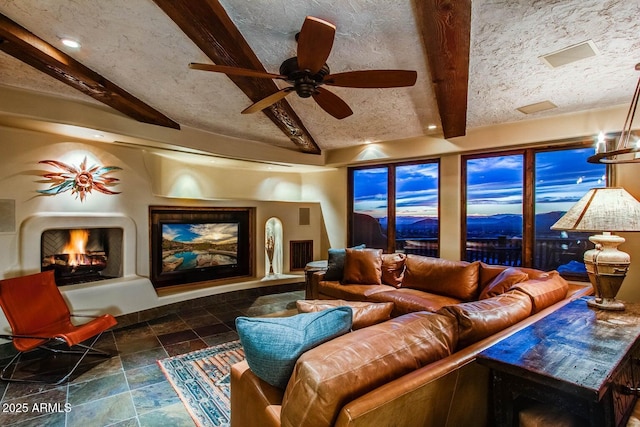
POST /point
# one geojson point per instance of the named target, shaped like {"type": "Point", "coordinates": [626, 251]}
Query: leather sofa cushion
{"type": "Point", "coordinates": [503, 282]}
{"type": "Point", "coordinates": [364, 313]}
{"type": "Point", "coordinates": [488, 272]}
{"type": "Point", "coordinates": [335, 262]}
{"type": "Point", "coordinates": [354, 292]}
{"type": "Point", "coordinates": [545, 291]}
{"type": "Point", "coordinates": [393, 269]}
{"type": "Point", "coordinates": [363, 266]}
{"type": "Point", "coordinates": [336, 372]}
{"type": "Point", "coordinates": [479, 319]}
{"type": "Point", "coordinates": [457, 279]}
{"type": "Point", "coordinates": [408, 300]}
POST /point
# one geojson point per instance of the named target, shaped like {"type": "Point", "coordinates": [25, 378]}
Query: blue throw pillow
{"type": "Point", "coordinates": [273, 344]}
{"type": "Point", "coordinates": [335, 263]}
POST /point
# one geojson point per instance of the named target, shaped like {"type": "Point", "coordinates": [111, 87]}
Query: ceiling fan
{"type": "Point", "coordinates": [308, 71]}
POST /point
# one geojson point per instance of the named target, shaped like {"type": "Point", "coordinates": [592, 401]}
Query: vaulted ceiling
{"type": "Point", "coordinates": [477, 62]}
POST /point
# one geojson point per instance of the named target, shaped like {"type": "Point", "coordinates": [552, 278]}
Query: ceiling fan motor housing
{"type": "Point", "coordinates": [304, 82]}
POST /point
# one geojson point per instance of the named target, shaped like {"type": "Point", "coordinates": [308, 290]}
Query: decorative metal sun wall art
{"type": "Point", "coordinates": [81, 180]}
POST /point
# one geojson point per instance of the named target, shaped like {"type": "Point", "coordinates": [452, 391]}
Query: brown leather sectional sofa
{"type": "Point", "coordinates": [416, 369]}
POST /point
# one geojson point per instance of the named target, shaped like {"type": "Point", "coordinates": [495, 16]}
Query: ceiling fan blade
{"type": "Point", "coordinates": [234, 71]}
{"type": "Point", "coordinates": [332, 104]}
{"type": "Point", "coordinates": [269, 100]}
{"type": "Point", "coordinates": [372, 78]}
{"type": "Point", "coordinates": [314, 43]}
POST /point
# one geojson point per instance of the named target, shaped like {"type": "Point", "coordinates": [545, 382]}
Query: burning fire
{"type": "Point", "coordinates": [76, 247]}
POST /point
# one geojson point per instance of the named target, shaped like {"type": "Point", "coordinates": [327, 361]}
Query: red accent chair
{"type": "Point", "coordinates": [40, 319]}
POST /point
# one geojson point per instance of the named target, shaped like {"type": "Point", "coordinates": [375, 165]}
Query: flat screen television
{"type": "Point", "coordinates": [198, 245]}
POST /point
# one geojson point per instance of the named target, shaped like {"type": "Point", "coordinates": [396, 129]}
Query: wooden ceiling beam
{"type": "Point", "coordinates": [209, 26]}
{"type": "Point", "coordinates": [32, 50]}
{"type": "Point", "coordinates": [445, 26]}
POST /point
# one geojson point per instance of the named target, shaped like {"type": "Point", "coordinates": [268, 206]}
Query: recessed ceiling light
{"type": "Point", "coordinates": [70, 43]}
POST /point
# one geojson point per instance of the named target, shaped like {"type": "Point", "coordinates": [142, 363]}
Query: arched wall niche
{"type": "Point", "coordinates": [273, 247]}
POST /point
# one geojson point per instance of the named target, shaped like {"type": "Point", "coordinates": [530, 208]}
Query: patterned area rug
{"type": "Point", "coordinates": [201, 379]}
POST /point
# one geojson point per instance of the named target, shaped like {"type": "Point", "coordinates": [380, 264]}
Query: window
{"type": "Point", "coordinates": [562, 177]}
{"type": "Point", "coordinates": [494, 209]}
{"type": "Point", "coordinates": [370, 207]}
{"type": "Point", "coordinates": [512, 199]}
{"type": "Point", "coordinates": [395, 207]}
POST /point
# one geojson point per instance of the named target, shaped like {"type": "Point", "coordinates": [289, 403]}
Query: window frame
{"type": "Point", "coordinates": [391, 197]}
{"type": "Point", "coordinates": [528, 201]}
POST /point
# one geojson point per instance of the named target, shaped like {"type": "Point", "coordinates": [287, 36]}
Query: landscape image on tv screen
{"type": "Point", "coordinates": [187, 246]}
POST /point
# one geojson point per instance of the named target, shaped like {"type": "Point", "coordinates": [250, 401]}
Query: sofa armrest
{"type": "Point", "coordinates": [254, 402]}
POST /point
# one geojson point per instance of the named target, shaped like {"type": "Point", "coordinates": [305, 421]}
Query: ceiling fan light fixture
{"type": "Point", "coordinates": [308, 72]}
{"type": "Point", "coordinates": [627, 149]}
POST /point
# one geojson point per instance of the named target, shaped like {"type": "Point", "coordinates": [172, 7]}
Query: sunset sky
{"type": "Point", "coordinates": [495, 185]}
{"type": "Point", "coordinates": [194, 233]}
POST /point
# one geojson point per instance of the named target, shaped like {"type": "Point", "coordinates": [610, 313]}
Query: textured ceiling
{"type": "Point", "coordinates": [135, 45]}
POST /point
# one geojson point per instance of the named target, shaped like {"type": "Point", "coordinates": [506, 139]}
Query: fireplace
{"type": "Point", "coordinates": [81, 255]}
{"type": "Point", "coordinates": [110, 243]}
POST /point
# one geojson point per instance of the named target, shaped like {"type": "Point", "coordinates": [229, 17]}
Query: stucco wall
{"type": "Point", "coordinates": [145, 179]}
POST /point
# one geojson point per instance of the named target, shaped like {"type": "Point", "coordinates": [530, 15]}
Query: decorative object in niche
{"type": "Point", "coordinates": [273, 247]}
{"type": "Point", "coordinates": [81, 179]}
{"type": "Point", "coordinates": [270, 247]}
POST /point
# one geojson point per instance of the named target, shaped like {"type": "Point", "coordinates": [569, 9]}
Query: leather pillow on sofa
{"type": "Point", "coordinates": [364, 313]}
{"type": "Point", "coordinates": [545, 291]}
{"type": "Point", "coordinates": [335, 263]}
{"type": "Point", "coordinates": [503, 282]}
{"type": "Point", "coordinates": [457, 279]}
{"type": "Point", "coordinates": [363, 266]}
{"type": "Point", "coordinates": [393, 269]}
{"type": "Point", "coordinates": [273, 344]}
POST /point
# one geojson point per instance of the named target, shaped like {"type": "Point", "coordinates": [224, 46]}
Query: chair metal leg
{"type": "Point", "coordinates": [88, 349]}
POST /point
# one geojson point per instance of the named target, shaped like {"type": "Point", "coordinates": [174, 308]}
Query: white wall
{"type": "Point", "coordinates": [145, 179]}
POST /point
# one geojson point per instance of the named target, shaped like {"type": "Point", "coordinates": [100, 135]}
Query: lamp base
{"type": "Point", "coordinates": [607, 267]}
{"type": "Point", "coordinates": [611, 304]}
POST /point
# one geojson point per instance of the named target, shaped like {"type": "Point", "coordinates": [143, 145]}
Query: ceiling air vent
{"type": "Point", "coordinates": [570, 54]}
{"type": "Point", "coordinates": [537, 107]}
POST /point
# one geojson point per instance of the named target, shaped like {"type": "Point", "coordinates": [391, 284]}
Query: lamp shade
{"type": "Point", "coordinates": [602, 209]}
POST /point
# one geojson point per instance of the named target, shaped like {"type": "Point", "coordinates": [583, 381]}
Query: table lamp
{"type": "Point", "coordinates": [604, 210]}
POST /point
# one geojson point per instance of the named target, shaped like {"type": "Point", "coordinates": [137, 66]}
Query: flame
{"type": "Point", "coordinates": [76, 246]}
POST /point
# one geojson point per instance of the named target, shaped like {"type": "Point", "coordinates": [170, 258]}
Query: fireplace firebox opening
{"type": "Point", "coordinates": [81, 255]}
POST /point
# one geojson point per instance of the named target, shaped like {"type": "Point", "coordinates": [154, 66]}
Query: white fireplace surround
{"type": "Point", "coordinates": [32, 228]}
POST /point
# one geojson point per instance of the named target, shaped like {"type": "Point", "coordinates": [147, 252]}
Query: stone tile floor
{"type": "Point", "coordinates": [129, 389]}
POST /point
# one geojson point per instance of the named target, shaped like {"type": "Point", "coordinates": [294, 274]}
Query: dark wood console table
{"type": "Point", "coordinates": [309, 269]}
{"type": "Point", "coordinates": [584, 361]}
